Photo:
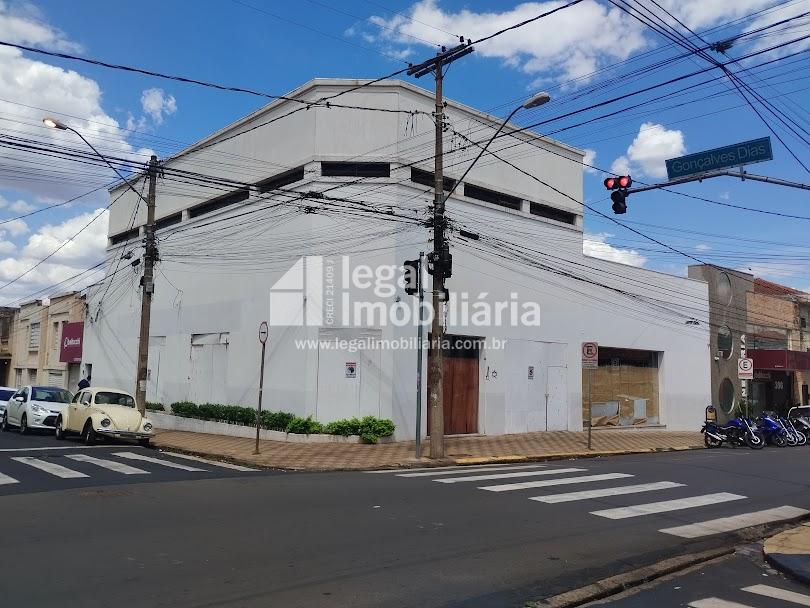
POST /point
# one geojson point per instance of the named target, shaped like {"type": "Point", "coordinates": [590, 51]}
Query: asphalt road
{"type": "Point", "coordinates": [221, 537]}
{"type": "Point", "coordinates": [742, 580]}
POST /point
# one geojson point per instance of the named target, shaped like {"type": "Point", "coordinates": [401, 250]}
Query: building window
{"type": "Point", "coordinates": [18, 377]}
{"type": "Point", "coordinates": [726, 395]}
{"type": "Point", "coordinates": [724, 342]}
{"type": "Point", "coordinates": [281, 180]}
{"type": "Point", "coordinates": [427, 178]}
{"type": "Point", "coordinates": [33, 336]}
{"type": "Point", "coordinates": [343, 169]}
{"type": "Point", "coordinates": [55, 336]}
{"type": "Point", "coordinates": [552, 213]}
{"type": "Point", "coordinates": [803, 322]}
{"type": "Point", "coordinates": [724, 292]}
{"type": "Point", "coordinates": [122, 237]}
{"type": "Point", "coordinates": [624, 390]}
{"type": "Point", "coordinates": [169, 220]}
{"type": "Point", "coordinates": [492, 196]}
{"type": "Point", "coordinates": [218, 203]}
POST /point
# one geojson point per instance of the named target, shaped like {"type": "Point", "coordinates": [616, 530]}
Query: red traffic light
{"type": "Point", "coordinates": [622, 181]}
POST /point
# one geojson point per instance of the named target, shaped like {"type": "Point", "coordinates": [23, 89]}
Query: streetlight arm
{"type": "Point", "coordinates": [109, 164]}
{"type": "Point", "coordinates": [481, 153]}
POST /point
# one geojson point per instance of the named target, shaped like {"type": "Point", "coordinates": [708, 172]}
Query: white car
{"type": "Point", "coordinates": [6, 393]}
{"type": "Point", "coordinates": [35, 407]}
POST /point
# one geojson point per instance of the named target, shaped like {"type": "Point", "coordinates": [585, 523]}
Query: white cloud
{"type": "Point", "coordinates": [652, 146]}
{"type": "Point", "coordinates": [784, 33]}
{"type": "Point", "coordinates": [703, 247]}
{"type": "Point", "coordinates": [21, 207]}
{"type": "Point", "coordinates": [698, 14]}
{"type": "Point", "coordinates": [570, 44]}
{"type": "Point", "coordinates": [7, 247]}
{"type": "Point", "coordinates": [22, 23]}
{"type": "Point", "coordinates": [157, 104]}
{"type": "Point", "coordinates": [596, 246]}
{"type": "Point", "coordinates": [15, 227]}
{"type": "Point", "coordinates": [590, 159]}
{"type": "Point", "coordinates": [724, 196]}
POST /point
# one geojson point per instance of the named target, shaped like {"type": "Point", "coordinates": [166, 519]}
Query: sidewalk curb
{"type": "Point", "coordinates": [481, 460]}
{"type": "Point", "coordinates": [789, 552]}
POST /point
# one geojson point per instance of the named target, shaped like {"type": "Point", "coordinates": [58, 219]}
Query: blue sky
{"type": "Point", "coordinates": [276, 46]}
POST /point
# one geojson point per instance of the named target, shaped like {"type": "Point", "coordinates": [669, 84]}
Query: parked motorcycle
{"type": "Point", "coordinates": [739, 431]}
{"type": "Point", "coordinates": [795, 436]}
{"type": "Point", "coordinates": [800, 417]}
{"type": "Point", "coordinates": [773, 430]}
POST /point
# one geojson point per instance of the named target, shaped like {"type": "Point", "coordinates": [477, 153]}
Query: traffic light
{"type": "Point", "coordinates": [412, 277]}
{"type": "Point", "coordinates": [619, 185]}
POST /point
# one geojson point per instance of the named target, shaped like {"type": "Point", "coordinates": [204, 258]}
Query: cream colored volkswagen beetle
{"type": "Point", "coordinates": [103, 412]}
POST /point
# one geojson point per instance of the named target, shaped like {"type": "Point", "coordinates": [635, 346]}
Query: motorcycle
{"type": "Point", "coordinates": [738, 431]}
{"type": "Point", "coordinates": [795, 436]}
{"type": "Point", "coordinates": [799, 416]}
{"type": "Point", "coordinates": [773, 430]}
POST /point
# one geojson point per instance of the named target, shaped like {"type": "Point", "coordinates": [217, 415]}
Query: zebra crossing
{"type": "Point", "coordinates": [528, 480]}
{"type": "Point", "coordinates": [757, 592]}
{"type": "Point", "coordinates": [130, 464]}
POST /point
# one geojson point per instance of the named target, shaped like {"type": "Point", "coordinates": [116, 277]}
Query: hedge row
{"type": "Point", "coordinates": [369, 428]}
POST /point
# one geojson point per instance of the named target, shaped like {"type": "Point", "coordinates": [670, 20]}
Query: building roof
{"type": "Point", "coordinates": [770, 288]}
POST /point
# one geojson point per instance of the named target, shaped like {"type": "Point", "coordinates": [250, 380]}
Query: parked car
{"type": "Point", "coordinates": [6, 392]}
{"type": "Point", "coordinates": [35, 407]}
{"type": "Point", "coordinates": [104, 412]}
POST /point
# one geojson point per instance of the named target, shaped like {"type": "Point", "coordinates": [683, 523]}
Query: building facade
{"type": "Point", "coordinates": [38, 336]}
{"type": "Point", "coordinates": [305, 219]}
{"type": "Point", "coordinates": [6, 324]}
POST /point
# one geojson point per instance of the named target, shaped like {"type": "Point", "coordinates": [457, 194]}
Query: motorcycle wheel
{"type": "Point", "coordinates": [711, 442]}
{"type": "Point", "coordinates": [779, 441]}
{"type": "Point", "coordinates": [791, 440]}
{"type": "Point", "coordinates": [755, 441]}
{"type": "Point", "coordinates": [802, 438]}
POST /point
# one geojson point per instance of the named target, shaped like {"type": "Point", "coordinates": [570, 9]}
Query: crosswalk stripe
{"type": "Point", "coordinates": [165, 463]}
{"type": "Point", "coordinates": [5, 480]}
{"type": "Point", "coordinates": [714, 602]}
{"type": "Point", "coordinates": [471, 470]}
{"type": "Point", "coordinates": [49, 467]}
{"type": "Point", "coordinates": [735, 522]}
{"type": "Point", "coordinates": [118, 467]}
{"type": "Point", "coordinates": [667, 505]}
{"type": "Point", "coordinates": [460, 467]}
{"type": "Point", "coordinates": [507, 475]}
{"type": "Point", "coordinates": [525, 485]}
{"type": "Point", "coordinates": [216, 463]}
{"type": "Point", "coordinates": [780, 594]}
{"type": "Point", "coordinates": [617, 491]}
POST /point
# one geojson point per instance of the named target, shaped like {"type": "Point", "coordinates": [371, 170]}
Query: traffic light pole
{"type": "Point", "coordinates": [740, 174]}
{"type": "Point", "coordinates": [421, 336]}
{"type": "Point", "coordinates": [147, 287]}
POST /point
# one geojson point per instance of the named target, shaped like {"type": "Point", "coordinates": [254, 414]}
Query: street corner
{"type": "Point", "coordinates": [789, 552]}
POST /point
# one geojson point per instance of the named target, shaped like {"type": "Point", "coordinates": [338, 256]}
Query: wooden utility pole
{"type": "Point", "coordinates": [147, 286]}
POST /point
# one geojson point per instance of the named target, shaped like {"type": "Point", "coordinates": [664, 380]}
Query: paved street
{"type": "Point", "coordinates": [743, 580]}
{"type": "Point", "coordinates": [473, 536]}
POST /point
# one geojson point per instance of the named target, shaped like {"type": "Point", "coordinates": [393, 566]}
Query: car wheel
{"type": "Point", "coordinates": [59, 432]}
{"type": "Point", "coordinates": [4, 422]}
{"type": "Point", "coordinates": [89, 434]}
{"type": "Point", "coordinates": [144, 443]}
{"type": "Point", "coordinates": [24, 425]}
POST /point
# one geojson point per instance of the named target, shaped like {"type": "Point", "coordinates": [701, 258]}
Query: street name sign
{"type": "Point", "coordinates": [745, 368]}
{"type": "Point", "coordinates": [735, 155]}
{"type": "Point", "coordinates": [590, 355]}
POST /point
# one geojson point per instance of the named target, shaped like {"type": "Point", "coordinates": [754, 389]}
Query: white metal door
{"type": "Point", "coordinates": [202, 364]}
{"type": "Point", "coordinates": [556, 399]}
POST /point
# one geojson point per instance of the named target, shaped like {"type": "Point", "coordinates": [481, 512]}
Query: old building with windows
{"type": "Point", "coordinates": [301, 218]}
{"type": "Point", "coordinates": [44, 336]}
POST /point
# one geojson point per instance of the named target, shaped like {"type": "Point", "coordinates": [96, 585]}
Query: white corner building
{"type": "Point", "coordinates": [279, 216]}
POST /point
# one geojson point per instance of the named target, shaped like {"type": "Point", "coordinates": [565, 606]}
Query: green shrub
{"type": "Point", "coordinates": [304, 426]}
{"type": "Point", "coordinates": [345, 427]}
{"type": "Point", "coordinates": [154, 407]}
{"type": "Point", "coordinates": [276, 421]}
{"type": "Point", "coordinates": [369, 428]}
{"type": "Point", "coordinates": [186, 409]}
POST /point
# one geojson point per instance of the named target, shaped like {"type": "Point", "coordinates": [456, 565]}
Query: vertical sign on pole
{"type": "Point", "coordinates": [744, 381]}
{"type": "Point", "coordinates": [590, 361]}
{"type": "Point", "coordinates": [420, 337]}
{"type": "Point", "coordinates": [263, 333]}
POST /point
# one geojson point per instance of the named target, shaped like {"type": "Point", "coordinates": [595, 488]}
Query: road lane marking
{"type": "Point", "coordinates": [472, 470]}
{"type": "Point", "coordinates": [714, 602]}
{"type": "Point", "coordinates": [49, 467]}
{"type": "Point", "coordinates": [780, 594]}
{"type": "Point", "coordinates": [449, 468]}
{"type": "Point", "coordinates": [56, 447]}
{"type": "Point", "coordinates": [216, 463]}
{"type": "Point", "coordinates": [5, 480]}
{"type": "Point", "coordinates": [663, 506]}
{"type": "Point", "coordinates": [507, 475]}
{"type": "Point", "coordinates": [525, 485]}
{"type": "Point", "coordinates": [118, 467]}
{"type": "Point", "coordinates": [618, 490]}
{"type": "Point", "coordinates": [735, 522]}
{"type": "Point", "coordinates": [165, 463]}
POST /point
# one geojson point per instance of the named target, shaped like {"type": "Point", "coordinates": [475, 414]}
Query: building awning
{"type": "Point", "coordinates": [784, 360]}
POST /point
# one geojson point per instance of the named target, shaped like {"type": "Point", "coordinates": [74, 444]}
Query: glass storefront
{"type": "Point", "coordinates": [625, 388]}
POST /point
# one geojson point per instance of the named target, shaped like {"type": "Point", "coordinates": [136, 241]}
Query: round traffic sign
{"type": "Point", "coordinates": [264, 330]}
{"type": "Point", "coordinates": [589, 350]}
{"type": "Point", "coordinates": [745, 365]}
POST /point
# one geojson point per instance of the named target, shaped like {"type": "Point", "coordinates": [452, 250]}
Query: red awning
{"type": "Point", "coordinates": [786, 360]}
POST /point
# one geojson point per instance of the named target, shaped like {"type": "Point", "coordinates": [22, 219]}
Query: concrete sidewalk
{"type": "Point", "coordinates": [459, 450]}
{"type": "Point", "coordinates": [789, 552]}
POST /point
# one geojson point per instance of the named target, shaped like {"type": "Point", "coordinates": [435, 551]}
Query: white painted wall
{"type": "Point", "coordinates": [219, 303]}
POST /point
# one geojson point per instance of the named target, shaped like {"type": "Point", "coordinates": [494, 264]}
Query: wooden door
{"type": "Point", "coordinates": [460, 386]}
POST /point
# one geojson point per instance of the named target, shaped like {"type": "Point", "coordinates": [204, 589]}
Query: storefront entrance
{"type": "Point", "coordinates": [460, 385]}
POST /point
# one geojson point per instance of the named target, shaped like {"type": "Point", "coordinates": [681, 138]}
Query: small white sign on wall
{"type": "Point", "coordinates": [351, 369]}
{"type": "Point", "coordinates": [531, 372]}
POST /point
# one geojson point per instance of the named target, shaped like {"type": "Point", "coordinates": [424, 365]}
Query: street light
{"type": "Point", "coordinates": [53, 123]}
